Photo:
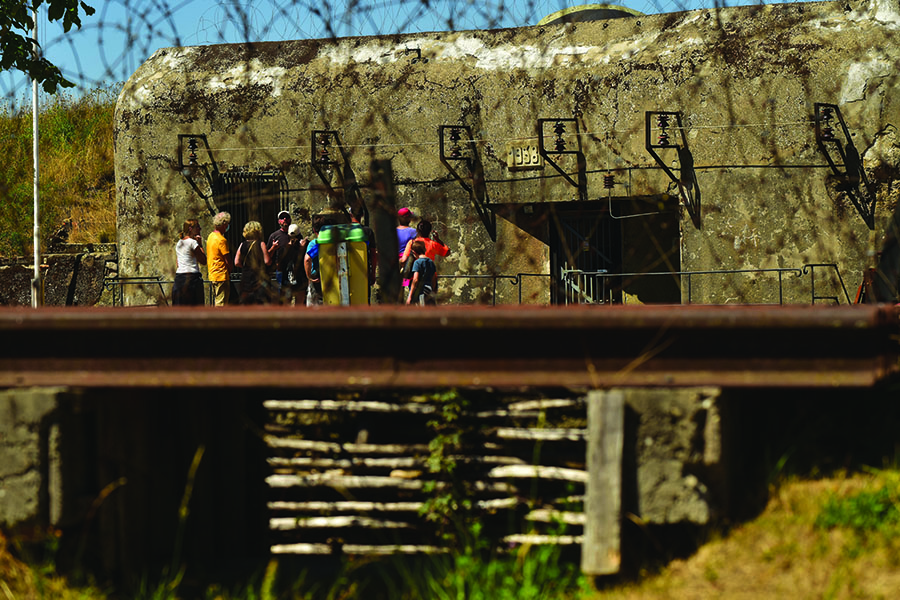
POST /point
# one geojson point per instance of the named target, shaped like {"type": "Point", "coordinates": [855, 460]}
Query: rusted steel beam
{"type": "Point", "coordinates": [401, 347]}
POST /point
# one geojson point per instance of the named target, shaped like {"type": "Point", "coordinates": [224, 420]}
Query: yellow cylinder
{"type": "Point", "coordinates": [343, 265]}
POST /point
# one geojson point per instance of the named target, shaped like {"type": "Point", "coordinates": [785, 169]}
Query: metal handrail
{"type": "Point", "coordinates": [111, 283]}
{"type": "Point", "coordinates": [811, 269]}
{"type": "Point", "coordinates": [513, 279]}
{"type": "Point", "coordinates": [516, 280]}
{"type": "Point", "coordinates": [117, 284]}
{"type": "Point", "coordinates": [519, 278]}
{"type": "Point", "coordinates": [573, 286]}
{"type": "Point", "coordinates": [688, 274]}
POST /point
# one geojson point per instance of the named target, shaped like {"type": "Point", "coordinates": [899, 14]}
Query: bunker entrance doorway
{"type": "Point", "coordinates": [585, 248]}
{"type": "Point", "coordinates": [251, 196]}
{"type": "Point", "coordinates": [624, 251]}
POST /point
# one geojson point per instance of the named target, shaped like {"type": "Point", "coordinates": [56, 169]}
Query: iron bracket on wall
{"type": "Point", "coordinates": [686, 180]}
{"type": "Point", "coordinates": [560, 147]}
{"type": "Point", "coordinates": [418, 55]}
{"type": "Point", "coordinates": [323, 145]}
{"type": "Point", "coordinates": [459, 150]}
{"type": "Point", "coordinates": [191, 167]}
{"type": "Point", "coordinates": [844, 159]}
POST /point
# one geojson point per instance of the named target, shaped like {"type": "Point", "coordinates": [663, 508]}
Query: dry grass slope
{"type": "Point", "coordinates": [784, 553]}
{"type": "Point", "coordinates": [77, 177]}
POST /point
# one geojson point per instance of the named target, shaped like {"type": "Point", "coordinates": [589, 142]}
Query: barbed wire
{"type": "Point", "coordinates": [122, 34]}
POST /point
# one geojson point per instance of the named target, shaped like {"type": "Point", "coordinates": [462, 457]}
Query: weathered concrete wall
{"type": "Point", "coordinates": [94, 465]}
{"type": "Point", "coordinates": [676, 441]}
{"type": "Point", "coordinates": [745, 81]}
{"type": "Point", "coordinates": [29, 458]}
{"type": "Point", "coordinates": [109, 473]}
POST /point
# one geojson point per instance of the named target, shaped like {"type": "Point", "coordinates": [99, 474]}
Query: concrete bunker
{"type": "Point", "coordinates": [702, 156]}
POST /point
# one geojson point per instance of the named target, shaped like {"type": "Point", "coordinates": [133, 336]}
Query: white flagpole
{"type": "Point", "coordinates": [36, 287]}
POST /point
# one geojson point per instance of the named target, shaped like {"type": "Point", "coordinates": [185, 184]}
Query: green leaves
{"type": "Point", "coordinates": [67, 12]}
{"type": "Point", "coordinates": [16, 49]}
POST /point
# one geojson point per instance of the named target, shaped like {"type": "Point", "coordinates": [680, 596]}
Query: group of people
{"type": "Point", "coordinates": [419, 247]}
{"type": "Point", "coordinates": [285, 249]}
{"type": "Point", "coordinates": [295, 262]}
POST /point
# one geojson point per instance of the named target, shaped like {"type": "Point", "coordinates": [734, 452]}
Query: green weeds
{"type": "Point", "coordinates": [526, 574]}
{"type": "Point", "coordinates": [869, 511]}
{"type": "Point", "coordinates": [871, 517]}
{"type": "Point", "coordinates": [448, 507]}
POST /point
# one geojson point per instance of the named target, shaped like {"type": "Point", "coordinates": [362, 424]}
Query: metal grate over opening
{"type": "Point", "coordinates": [250, 196]}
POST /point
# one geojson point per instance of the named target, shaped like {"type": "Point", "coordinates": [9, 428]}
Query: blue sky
{"type": "Point", "coordinates": [122, 34]}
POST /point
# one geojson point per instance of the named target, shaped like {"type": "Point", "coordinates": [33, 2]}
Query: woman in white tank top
{"type": "Point", "coordinates": [189, 254]}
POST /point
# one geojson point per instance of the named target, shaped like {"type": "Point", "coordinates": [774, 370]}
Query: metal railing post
{"type": "Point", "coordinates": [780, 289]}
{"type": "Point", "coordinates": [689, 288]}
{"type": "Point", "coordinates": [811, 268]}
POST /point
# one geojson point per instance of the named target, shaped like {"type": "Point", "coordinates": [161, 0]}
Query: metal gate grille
{"type": "Point", "coordinates": [250, 196]}
{"type": "Point", "coordinates": [585, 244]}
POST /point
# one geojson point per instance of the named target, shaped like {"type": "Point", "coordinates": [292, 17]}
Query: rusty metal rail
{"type": "Point", "coordinates": [399, 347]}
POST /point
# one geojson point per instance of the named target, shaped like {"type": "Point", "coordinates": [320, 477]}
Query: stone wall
{"type": "Point", "coordinates": [110, 472]}
{"type": "Point", "coordinates": [72, 278]}
{"type": "Point", "coordinates": [750, 185]}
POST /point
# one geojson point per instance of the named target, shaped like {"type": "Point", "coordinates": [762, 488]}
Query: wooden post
{"type": "Point", "coordinates": [600, 551]}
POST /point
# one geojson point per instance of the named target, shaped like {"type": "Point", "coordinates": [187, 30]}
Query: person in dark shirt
{"type": "Point", "coordinates": [253, 257]}
{"type": "Point", "coordinates": [292, 267]}
{"type": "Point", "coordinates": [282, 291]}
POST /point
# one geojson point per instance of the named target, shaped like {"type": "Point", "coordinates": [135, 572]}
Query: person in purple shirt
{"type": "Point", "coordinates": [405, 233]}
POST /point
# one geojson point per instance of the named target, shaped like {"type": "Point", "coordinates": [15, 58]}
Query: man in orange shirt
{"type": "Point", "coordinates": [218, 259]}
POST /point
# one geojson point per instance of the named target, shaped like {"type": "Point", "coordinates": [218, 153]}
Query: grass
{"type": "Point", "coordinates": [834, 538]}
{"type": "Point", "coordinates": [77, 177]}
{"type": "Point", "coordinates": [815, 539]}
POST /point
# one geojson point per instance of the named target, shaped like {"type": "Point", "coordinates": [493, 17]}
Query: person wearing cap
{"type": "Point", "coordinates": [405, 233]}
{"type": "Point", "coordinates": [292, 267]}
{"type": "Point", "coordinates": [282, 291]}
